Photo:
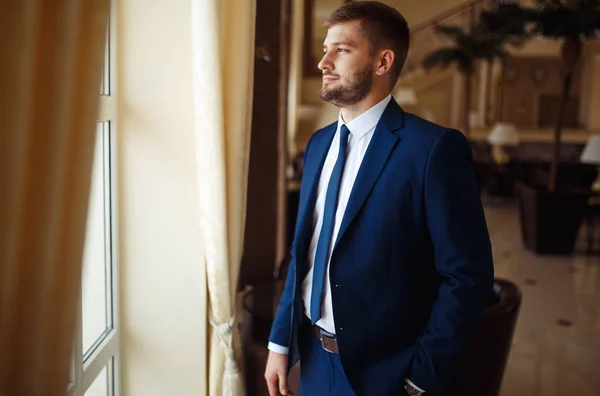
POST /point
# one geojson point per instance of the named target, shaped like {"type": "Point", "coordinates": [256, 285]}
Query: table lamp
{"type": "Point", "coordinates": [591, 155]}
{"type": "Point", "coordinates": [502, 134]}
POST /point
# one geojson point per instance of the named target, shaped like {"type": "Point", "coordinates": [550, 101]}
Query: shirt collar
{"type": "Point", "coordinates": [362, 124]}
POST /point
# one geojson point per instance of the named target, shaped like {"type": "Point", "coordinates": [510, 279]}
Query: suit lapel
{"type": "Point", "coordinates": [378, 152]}
{"type": "Point", "coordinates": [311, 175]}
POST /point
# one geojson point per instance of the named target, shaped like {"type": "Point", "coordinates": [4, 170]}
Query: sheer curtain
{"type": "Point", "coordinates": [223, 62]}
{"type": "Point", "coordinates": [52, 54]}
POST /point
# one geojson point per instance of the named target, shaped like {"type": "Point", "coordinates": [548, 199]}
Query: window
{"type": "Point", "coordinates": [96, 346]}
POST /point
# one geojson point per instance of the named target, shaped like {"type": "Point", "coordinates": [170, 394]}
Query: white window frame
{"type": "Point", "coordinates": [106, 351]}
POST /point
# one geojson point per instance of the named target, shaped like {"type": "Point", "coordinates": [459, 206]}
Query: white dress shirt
{"type": "Point", "coordinates": [361, 131]}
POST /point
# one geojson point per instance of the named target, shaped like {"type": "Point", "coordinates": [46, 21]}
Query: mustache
{"type": "Point", "coordinates": [328, 73]}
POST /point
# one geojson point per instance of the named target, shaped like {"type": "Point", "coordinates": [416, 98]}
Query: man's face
{"type": "Point", "coordinates": [347, 65]}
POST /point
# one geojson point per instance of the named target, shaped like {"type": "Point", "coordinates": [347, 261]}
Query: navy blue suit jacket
{"type": "Point", "coordinates": [411, 270]}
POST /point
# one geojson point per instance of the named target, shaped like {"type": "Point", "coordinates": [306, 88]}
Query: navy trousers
{"type": "Point", "coordinates": [321, 372]}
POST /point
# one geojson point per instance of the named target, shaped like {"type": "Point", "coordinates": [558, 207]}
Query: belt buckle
{"type": "Point", "coordinates": [321, 337]}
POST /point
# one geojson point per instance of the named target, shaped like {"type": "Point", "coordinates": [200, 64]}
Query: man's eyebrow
{"type": "Point", "coordinates": [337, 43]}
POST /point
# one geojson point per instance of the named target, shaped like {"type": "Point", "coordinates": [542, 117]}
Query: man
{"type": "Point", "coordinates": [391, 264]}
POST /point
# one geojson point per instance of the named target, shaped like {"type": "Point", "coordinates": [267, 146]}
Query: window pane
{"type": "Point", "coordinates": [96, 260]}
{"type": "Point", "coordinates": [102, 385]}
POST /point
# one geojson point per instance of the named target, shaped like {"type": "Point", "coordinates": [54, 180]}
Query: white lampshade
{"type": "Point", "coordinates": [504, 134]}
{"type": "Point", "coordinates": [406, 96]}
{"type": "Point", "coordinates": [591, 152]}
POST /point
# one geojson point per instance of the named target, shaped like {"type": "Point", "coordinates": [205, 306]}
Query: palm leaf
{"type": "Point", "coordinates": [490, 54]}
{"type": "Point", "coordinates": [461, 38]}
{"type": "Point", "coordinates": [446, 56]}
{"type": "Point", "coordinates": [453, 32]}
{"type": "Point", "coordinates": [509, 20]}
{"type": "Point", "coordinates": [488, 40]}
{"type": "Point", "coordinates": [557, 19]}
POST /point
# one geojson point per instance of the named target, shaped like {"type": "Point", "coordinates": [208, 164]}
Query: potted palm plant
{"type": "Point", "coordinates": [551, 215]}
{"type": "Point", "coordinates": [466, 49]}
{"type": "Point", "coordinates": [572, 22]}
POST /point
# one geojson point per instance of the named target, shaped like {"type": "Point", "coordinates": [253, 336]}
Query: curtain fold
{"type": "Point", "coordinates": [223, 63]}
{"type": "Point", "coordinates": [52, 55]}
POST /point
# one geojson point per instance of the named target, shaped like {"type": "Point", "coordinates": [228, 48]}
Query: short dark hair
{"type": "Point", "coordinates": [383, 27]}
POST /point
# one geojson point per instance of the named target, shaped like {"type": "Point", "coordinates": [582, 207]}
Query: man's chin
{"type": "Point", "coordinates": [327, 97]}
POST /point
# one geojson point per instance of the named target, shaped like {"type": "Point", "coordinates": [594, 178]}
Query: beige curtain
{"type": "Point", "coordinates": [223, 61]}
{"type": "Point", "coordinates": [51, 55]}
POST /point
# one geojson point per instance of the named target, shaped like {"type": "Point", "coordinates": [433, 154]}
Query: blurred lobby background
{"type": "Point", "coordinates": [150, 159]}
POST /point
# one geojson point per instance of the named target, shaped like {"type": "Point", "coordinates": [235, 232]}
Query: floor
{"type": "Point", "coordinates": [556, 347]}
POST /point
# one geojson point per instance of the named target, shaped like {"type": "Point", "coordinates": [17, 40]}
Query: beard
{"type": "Point", "coordinates": [349, 91]}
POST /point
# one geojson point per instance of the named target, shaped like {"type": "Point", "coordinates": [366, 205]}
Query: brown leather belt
{"type": "Point", "coordinates": [328, 343]}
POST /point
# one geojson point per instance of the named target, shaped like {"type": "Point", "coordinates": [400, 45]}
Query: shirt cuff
{"type": "Point", "coordinates": [278, 348]}
{"type": "Point", "coordinates": [409, 382]}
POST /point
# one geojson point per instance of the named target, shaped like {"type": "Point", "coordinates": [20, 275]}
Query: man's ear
{"type": "Point", "coordinates": [386, 60]}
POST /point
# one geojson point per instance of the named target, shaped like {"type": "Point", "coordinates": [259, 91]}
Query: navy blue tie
{"type": "Point", "coordinates": [331, 199]}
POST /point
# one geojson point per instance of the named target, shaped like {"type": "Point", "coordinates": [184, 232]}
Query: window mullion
{"type": "Point", "coordinates": [99, 359]}
{"type": "Point", "coordinates": [108, 108]}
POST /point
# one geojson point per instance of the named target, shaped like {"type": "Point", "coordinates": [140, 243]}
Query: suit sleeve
{"type": "Point", "coordinates": [462, 256]}
{"type": "Point", "coordinates": [281, 328]}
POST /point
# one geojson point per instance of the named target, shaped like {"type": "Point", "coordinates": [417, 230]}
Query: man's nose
{"type": "Point", "coordinates": [326, 63]}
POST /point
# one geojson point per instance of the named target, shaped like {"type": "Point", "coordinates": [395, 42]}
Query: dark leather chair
{"type": "Point", "coordinates": [478, 373]}
{"type": "Point", "coordinates": [481, 369]}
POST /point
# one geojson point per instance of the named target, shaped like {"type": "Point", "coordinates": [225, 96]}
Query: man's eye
{"type": "Point", "coordinates": [342, 50]}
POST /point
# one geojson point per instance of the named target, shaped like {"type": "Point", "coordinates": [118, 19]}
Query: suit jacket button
{"type": "Point", "coordinates": [337, 285]}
